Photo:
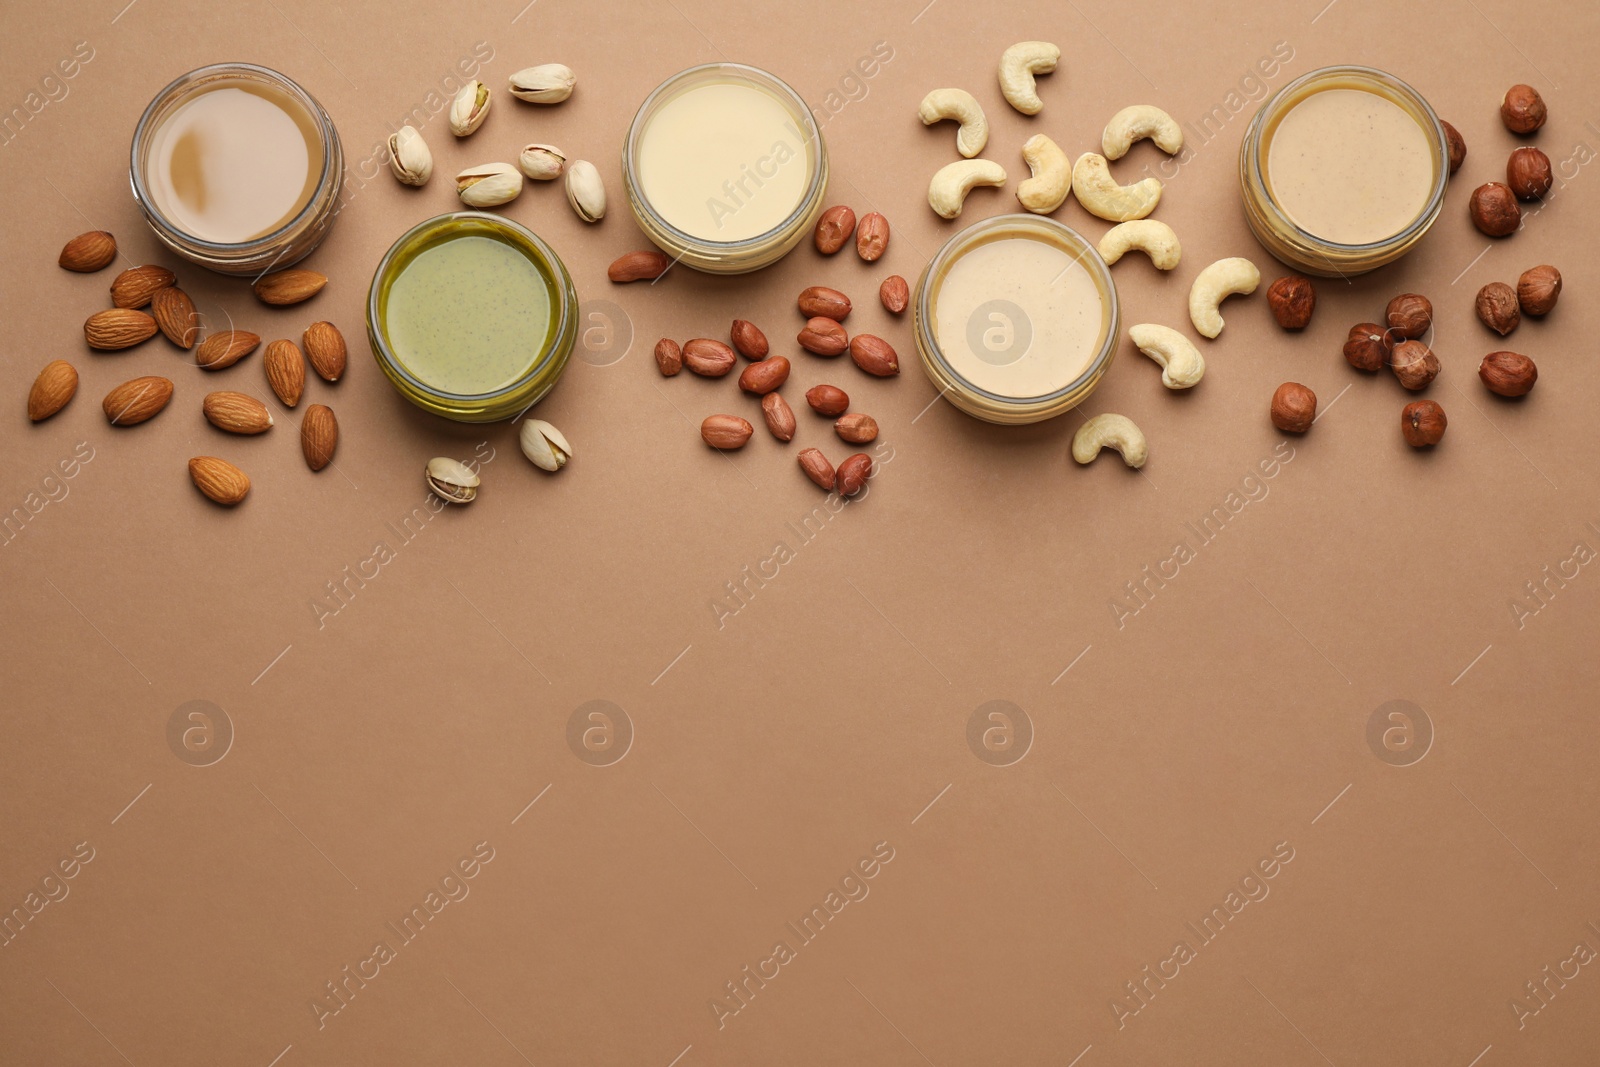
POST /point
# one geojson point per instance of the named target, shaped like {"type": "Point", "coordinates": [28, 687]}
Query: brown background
{"type": "Point", "coordinates": [373, 752]}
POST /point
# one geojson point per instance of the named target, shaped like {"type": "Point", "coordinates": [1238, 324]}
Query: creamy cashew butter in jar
{"type": "Point", "coordinates": [1343, 170]}
{"type": "Point", "coordinates": [1016, 319]}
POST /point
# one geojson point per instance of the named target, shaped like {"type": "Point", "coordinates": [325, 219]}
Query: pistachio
{"type": "Point", "coordinates": [409, 157]}
{"type": "Point", "coordinates": [548, 83]}
{"type": "Point", "coordinates": [544, 445]}
{"type": "Point", "coordinates": [489, 185]}
{"type": "Point", "coordinates": [452, 480]}
{"type": "Point", "coordinates": [469, 108]}
{"type": "Point", "coordinates": [585, 191]}
{"type": "Point", "coordinates": [542, 162]}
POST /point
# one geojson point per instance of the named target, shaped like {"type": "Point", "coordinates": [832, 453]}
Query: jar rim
{"type": "Point", "coordinates": [199, 76]}
{"type": "Point", "coordinates": [562, 304]}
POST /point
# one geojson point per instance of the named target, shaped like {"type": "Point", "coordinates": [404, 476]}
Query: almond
{"type": "Point", "coordinates": [638, 267]}
{"type": "Point", "coordinates": [874, 355]}
{"type": "Point", "coordinates": [219, 479]}
{"type": "Point", "coordinates": [764, 377]}
{"type": "Point", "coordinates": [669, 357]}
{"type": "Point", "coordinates": [895, 294]}
{"type": "Point", "coordinates": [853, 474]}
{"type": "Point", "coordinates": [89, 252]}
{"type": "Point", "coordinates": [708, 358]}
{"type": "Point", "coordinates": [137, 400]}
{"type": "Point", "coordinates": [872, 236]}
{"type": "Point", "coordinates": [823, 336]}
{"type": "Point", "coordinates": [817, 467]}
{"type": "Point", "coordinates": [174, 313]}
{"type": "Point", "coordinates": [820, 301]}
{"type": "Point", "coordinates": [286, 371]}
{"type": "Point", "coordinates": [725, 431]}
{"type": "Point", "coordinates": [134, 287]}
{"type": "Point", "coordinates": [55, 386]}
{"type": "Point", "coordinates": [289, 286]}
{"type": "Point", "coordinates": [326, 350]}
{"type": "Point", "coordinates": [834, 229]}
{"type": "Point", "coordinates": [780, 417]}
{"type": "Point", "coordinates": [856, 428]}
{"type": "Point", "coordinates": [748, 339]}
{"type": "Point", "coordinates": [319, 436]}
{"type": "Point", "coordinates": [225, 349]}
{"type": "Point", "coordinates": [236, 412]}
{"type": "Point", "coordinates": [827, 400]}
{"type": "Point", "coordinates": [116, 328]}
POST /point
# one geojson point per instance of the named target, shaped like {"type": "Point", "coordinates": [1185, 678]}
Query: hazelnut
{"type": "Point", "coordinates": [1458, 147]}
{"type": "Point", "coordinates": [1523, 109]}
{"type": "Point", "coordinates": [1422, 422]}
{"type": "Point", "coordinates": [1494, 209]}
{"type": "Point", "coordinates": [1508, 373]}
{"type": "Point", "coordinates": [1365, 348]}
{"type": "Point", "coordinates": [1528, 173]}
{"type": "Point", "coordinates": [1409, 315]}
{"type": "Point", "coordinates": [1414, 364]}
{"type": "Point", "coordinates": [1538, 289]}
{"type": "Point", "coordinates": [1294, 408]}
{"type": "Point", "coordinates": [1497, 307]}
{"type": "Point", "coordinates": [1292, 299]}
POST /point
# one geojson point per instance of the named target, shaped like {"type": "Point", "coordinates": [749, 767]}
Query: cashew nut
{"type": "Point", "coordinates": [1217, 282]}
{"type": "Point", "coordinates": [1181, 362]}
{"type": "Point", "coordinates": [1018, 65]}
{"type": "Point", "coordinates": [963, 107]}
{"type": "Point", "coordinates": [1110, 431]}
{"type": "Point", "coordinates": [1052, 175]}
{"type": "Point", "coordinates": [954, 181]}
{"type": "Point", "coordinates": [1100, 195]}
{"type": "Point", "coordinates": [1149, 236]}
{"type": "Point", "coordinates": [1136, 123]}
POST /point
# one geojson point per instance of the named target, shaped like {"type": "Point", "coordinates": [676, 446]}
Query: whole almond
{"type": "Point", "coordinates": [762, 378]}
{"type": "Point", "coordinates": [819, 300]}
{"type": "Point", "coordinates": [56, 385]}
{"type": "Point", "coordinates": [872, 236]}
{"type": "Point", "coordinates": [874, 355]}
{"type": "Point", "coordinates": [834, 229]}
{"type": "Point", "coordinates": [175, 315]}
{"type": "Point", "coordinates": [224, 349]}
{"type": "Point", "coordinates": [856, 428]}
{"type": "Point", "coordinates": [827, 400]}
{"type": "Point", "coordinates": [1508, 373]}
{"type": "Point", "coordinates": [823, 336]}
{"type": "Point", "coordinates": [116, 328]}
{"type": "Point", "coordinates": [708, 358]}
{"type": "Point", "coordinates": [895, 294]}
{"type": "Point", "coordinates": [749, 341]}
{"type": "Point", "coordinates": [319, 436]}
{"type": "Point", "coordinates": [669, 357]}
{"type": "Point", "coordinates": [134, 287]}
{"type": "Point", "coordinates": [853, 474]}
{"type": "Point", "coordinates": [325, 348]}
{"type": "Point", "coordinates": [286, 371]}
{"type": "Point", "coordinates": [780, 417]}
{"type": "Point", "coordinates": [236, 412]}
{"type": "Point", "coordinates": [725, 431]}
{"type": "Point", "coordinates": [89, 252]}
{"type": "Point", "coordinates": [289, 286]}
{"type": "Point", "coordinates": [817, 467]}
{"type": "Point", "coordinates": [137, 400]}
{"type": "Point", "coordinates": [638, 266]}
{"type": "Point", "coordinates": [219, 479]}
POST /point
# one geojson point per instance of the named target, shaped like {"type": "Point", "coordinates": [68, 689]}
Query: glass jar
{"type": "Point", "coordinates": [1009, 320]}
{"type": "Point", "coordinates": [1274, 227]}
{"type": "Point", "coordinates": [710, 213]}
{"type": "Point", "coordinates": [497, 299]}
{"type": "Point", "coordinates": [310, 214]}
